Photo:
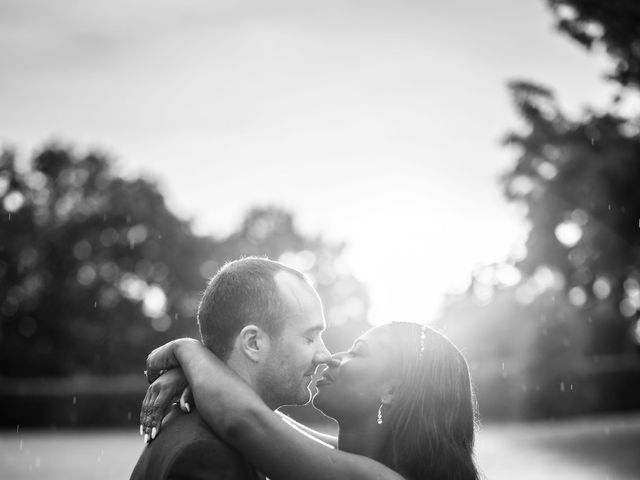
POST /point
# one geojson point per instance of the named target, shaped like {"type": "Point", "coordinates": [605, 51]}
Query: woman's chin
{"type": "Point", "coordinates": [322, 403]}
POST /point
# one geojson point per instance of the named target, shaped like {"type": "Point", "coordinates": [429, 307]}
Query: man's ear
{"type": "Point", "coordinates": [253, 342]}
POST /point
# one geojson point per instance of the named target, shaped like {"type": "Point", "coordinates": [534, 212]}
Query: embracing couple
{"type": "Point", "coordinates": [401, 395]}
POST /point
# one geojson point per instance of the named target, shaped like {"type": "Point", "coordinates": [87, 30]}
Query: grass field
{"type": "Point", "coordinates": [586, 449]}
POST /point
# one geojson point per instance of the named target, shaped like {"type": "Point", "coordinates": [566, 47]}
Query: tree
{"type": "Point", "coordinates": [95, 270]}
{"type": "Point", "coordinates": [578, 180]}
{"type": "Point", "coordinates": [614, 24]}
{"type": "Point", "coordinates": [564, 336]}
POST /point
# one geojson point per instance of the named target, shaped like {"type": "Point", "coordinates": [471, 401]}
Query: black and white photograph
{"type": "Point", "coordinates": [291, 240]}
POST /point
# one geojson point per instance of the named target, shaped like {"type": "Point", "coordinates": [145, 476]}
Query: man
{"type": "Point", "coordinates": [265, 321]}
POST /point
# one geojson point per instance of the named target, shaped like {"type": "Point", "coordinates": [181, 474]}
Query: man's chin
{"type": "Point", "coordinates": [299, 400]}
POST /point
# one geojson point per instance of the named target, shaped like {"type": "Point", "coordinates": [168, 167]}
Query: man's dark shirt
{"type": "Point", "coordinates": [187, 449]}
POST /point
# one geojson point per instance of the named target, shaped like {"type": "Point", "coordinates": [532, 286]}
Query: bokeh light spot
{"type": "Point", "coordinates": [627, 308]}
{"type": "Point", "coordinates": [577, 296]}
{"type": "Point", "coordinates": [601, 288]}
{"type": "Point", "coordinates": [109, 237]}
{"type": "Point", "coordinates": [154, 302]}
{"type": "Point", "coordinates": [86, 275]}
{"type": "Point", "coordinates": [208, 269]}
{"type": "Point", "coordinates": [4, 185]}
{"type": "Point", "coordinates": [13, 201]}
{"type": "Point", "coordinates": [161, 323]}
{"type": "Point", "coordinates": [82, 250]}
{"type": "Point", "coordinates": [136, 234]}
{"type": "Point", "coordinates": [547, 170]}
{"type": "Point", "coordinates": [635, 332]}
{"type": "Point", "coordinates": [568, 233]}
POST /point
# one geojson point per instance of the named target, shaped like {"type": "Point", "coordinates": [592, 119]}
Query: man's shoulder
{"type": "Point", "coordinates": [187, 448]}
{"type": "Point", "coordinates": [188, 427]}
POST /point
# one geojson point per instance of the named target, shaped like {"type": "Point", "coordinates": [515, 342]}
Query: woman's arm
{"type": "Point", "coordinates": [236, 413]}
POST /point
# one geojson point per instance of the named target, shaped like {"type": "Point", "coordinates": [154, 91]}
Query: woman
{"type": "Point", "coordinates": [401, 396]}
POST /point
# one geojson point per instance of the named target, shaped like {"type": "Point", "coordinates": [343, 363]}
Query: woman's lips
{"type": "Point", "coordinates": [324, 379]}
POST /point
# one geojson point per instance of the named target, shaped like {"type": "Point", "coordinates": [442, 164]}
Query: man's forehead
{"type": "Point", "coordinates": [293, 288]}
{"type": "Point", "coordinates": [301, 298]}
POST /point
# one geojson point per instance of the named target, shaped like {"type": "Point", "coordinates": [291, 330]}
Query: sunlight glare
{"type": "Point", "coordinates": [420, 256]}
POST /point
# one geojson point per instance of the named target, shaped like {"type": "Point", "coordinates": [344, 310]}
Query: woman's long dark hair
{"type": "Point", "coordinates": [433, 415]}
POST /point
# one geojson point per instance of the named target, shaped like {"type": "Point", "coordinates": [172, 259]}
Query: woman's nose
{"type": "Point", "coordinates": [335, 361]}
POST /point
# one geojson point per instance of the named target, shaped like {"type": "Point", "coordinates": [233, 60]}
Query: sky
{"type": "Point", "coordinates": [378, 123]}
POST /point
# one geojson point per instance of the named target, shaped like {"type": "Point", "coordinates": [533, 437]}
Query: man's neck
{"type": "Point", "coordinates": [240, 365]}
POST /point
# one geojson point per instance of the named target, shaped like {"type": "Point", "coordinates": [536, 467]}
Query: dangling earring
{"type": "Point", "coordinates": [380, 414]}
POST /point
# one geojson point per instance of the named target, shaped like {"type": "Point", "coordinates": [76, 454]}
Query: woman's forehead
{"type": "Point", "coordinates": [377, 338]}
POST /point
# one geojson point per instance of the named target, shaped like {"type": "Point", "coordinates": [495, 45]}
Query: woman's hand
{"type": "Point", "coordinates": [163, 358]}
{"type": "Point", "coordinates": [161, 394]}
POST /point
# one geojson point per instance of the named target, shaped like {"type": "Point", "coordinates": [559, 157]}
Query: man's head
{"type": "Point", "coordinates": [265, 319]}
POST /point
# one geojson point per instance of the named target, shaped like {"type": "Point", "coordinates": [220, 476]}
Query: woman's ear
{"type": "Point", "coordinates": [253, 342]}
{"type": "Point", "coordinates": [388, 394]}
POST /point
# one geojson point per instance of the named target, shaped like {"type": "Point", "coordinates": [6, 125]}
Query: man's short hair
{"type": "Point", "coordinates": [243, 292]}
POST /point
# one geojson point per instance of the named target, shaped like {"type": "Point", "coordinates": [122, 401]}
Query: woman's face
{"type": "Point", "coordinates": [353, 384]}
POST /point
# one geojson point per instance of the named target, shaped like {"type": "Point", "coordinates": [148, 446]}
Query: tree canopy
{"type": "Point", "coordinates": [95, 270]}
{"type": "Point", "coordinates": [563, 338]}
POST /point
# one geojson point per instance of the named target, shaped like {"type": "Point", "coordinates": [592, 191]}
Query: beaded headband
{"type": "Point", "coordinates": [423, 335]}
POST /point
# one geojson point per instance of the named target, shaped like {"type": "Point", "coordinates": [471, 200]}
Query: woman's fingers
{"type": "Point", "coordinates": [158, 400]}
{"type": "Point", "coordinates": [148, 406]}
{"type": "Point", "coordinates": [157, 412]}
{"type": "Point", "coordinates": [186, 400]}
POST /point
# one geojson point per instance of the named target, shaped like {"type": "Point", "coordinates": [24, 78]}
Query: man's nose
{"type": "Point", "coordinates": [323, 355]}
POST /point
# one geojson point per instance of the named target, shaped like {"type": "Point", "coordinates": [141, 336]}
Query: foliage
{"type": "Point", "coordinates": [95, 270]}
{"type": "Point", "coordinates": [615, 24]}
{"type": "Point", "coordinates": [578, 181]}
{"type": "Point", "coordinates": [562, 339]}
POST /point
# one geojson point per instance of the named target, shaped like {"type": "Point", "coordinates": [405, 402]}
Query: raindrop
{"type": "Point", "coordinates": [562, 387]}
{"type": "Point", "coordinates": [75, 400]}
{"type": "Point", "coordinates": [95, 304]}
{"type": "Point", "coordinates": [18, 428]}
